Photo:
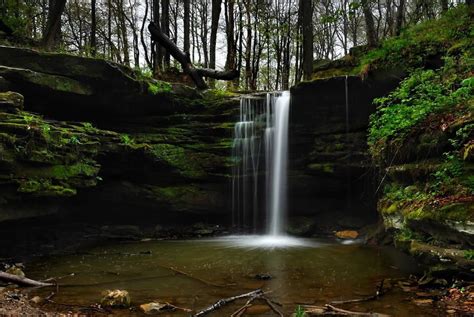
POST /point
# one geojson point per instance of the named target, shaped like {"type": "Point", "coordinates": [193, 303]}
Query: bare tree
{"type": "Point", "coordinates": [307, 20]}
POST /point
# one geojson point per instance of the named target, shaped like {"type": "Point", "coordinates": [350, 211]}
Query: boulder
{"type": "Point", "coordinates": [11, 102]}
{"type": "Point", "coordinates": [115, 299]}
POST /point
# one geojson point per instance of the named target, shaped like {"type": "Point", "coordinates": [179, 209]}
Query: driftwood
{"type": "Point", "coordinates": [183, 58]}
{"type": "Point", "coordinates": [22, 281]}
{"type": "Point", "coordinates": [225, 301]}
{"type": "Point", "coordinates": [328, 310]}
{"type": "Point", "coordinates": [242, 309]}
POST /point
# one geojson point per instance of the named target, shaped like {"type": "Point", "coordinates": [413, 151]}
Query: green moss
{"type": "Point", "coordinates": [177, 157]}
{"type": "Point", "coordinates": [44, 188]}
{"type": "Point", "coordinates": [157, 87]}
{"type": "Point", "coordinates": [78, 169]}
{"type": "Point", "coordinates": [458, 212]}
{"type": "Point", "coordinates": [322, 167]}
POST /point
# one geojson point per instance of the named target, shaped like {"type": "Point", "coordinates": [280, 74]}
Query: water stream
{"type": "Point", "coordinates": [293, 270]}
{"type": "Point", "coordinates": [260, 151]}
{"type": "Point", "coordinates": [315, 273]}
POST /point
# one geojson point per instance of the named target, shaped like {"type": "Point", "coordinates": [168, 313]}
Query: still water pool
{"type": "Point", "coordinates": [305, 271]}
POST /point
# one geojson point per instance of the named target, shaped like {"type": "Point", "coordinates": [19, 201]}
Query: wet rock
{"type": "Point", "coordinates": [301, 226]}
{"type": "Point", "coordinates": [56, 83]}
{"type": "Point", "coordinates": [263, 276]}
{"type": "Point", "coordinates": [36, 300]}
{"type": "Point", "coordinates": [121, 231]}
{"type": "Point", "coordinates": [155, 307]}
{"type": "Point", "coordinates": [115, 299]}
{"type": "Point", "coordinates": [347, 234]}
{"type": "Point", "coordinates": [4, 84]}
{"type": "Point", "coordinates": [203, 229]}
{"type": "Point", "coordinates": [15, 270]}
{"type": "Point", "coordinates": [11, 101]}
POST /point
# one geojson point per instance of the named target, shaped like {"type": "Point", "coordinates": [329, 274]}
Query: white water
{"type": "Point", "coordinates": [278, 170]}
{"type": "Point", "coordinates": [260, 154]}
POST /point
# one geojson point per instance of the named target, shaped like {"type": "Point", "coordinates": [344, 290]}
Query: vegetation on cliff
{"type": "Point", "coordinates": [422, 133]}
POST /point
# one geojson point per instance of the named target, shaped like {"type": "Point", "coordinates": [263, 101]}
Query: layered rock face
{"type": "Point", "coordinates": [136, 156]}
{"type": "Point", "coordinates": [162, 155]}
{"type": "Point", "coordinates": [331, 178]}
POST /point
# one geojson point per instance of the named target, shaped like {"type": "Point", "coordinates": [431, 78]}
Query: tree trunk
{"type": "Point", "coordinates": [53, 26]}
{"type": "Point", "coordinates": [307, 27]}
{"type": "Point", "coordinates": [93, 43]}
{"type": "Point", "coordinates": [248, 50]}
{"type": "Point", "coordinates": [215, 14]}
{"type": "Point", "coordinates": [157, 52]}
{"type": "Point", "coordinates": [196, 74]}
{"type": "Point", "coordinates": [187, 7]}
{"type": "Point", "coordinates": [369, 24]}
{"type": "Point", "coordinates": [444, 5]}
{"type": "Point", "coordinates": [165, 26]}
{"type": "Point", "coordinates": [142, 36]}
{"type": "Point", "coordinates": [400, 14]}
{"type": "Point", "coordinates": [230, 32]}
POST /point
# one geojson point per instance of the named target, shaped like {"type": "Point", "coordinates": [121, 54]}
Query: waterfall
{"type": "Point", "coordinates": [278, 166]}
{"type": "Point", "coordinates": [260, 155]}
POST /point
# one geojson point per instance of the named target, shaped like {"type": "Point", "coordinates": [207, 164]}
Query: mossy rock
{"type": "Point", "coordinates": [44, 188]}
{"type": "Point", "coordinates": [52, 82]}
{"type": "Point", "coordinates": [11, 101]}
{"type": "Point", "coordinates": [179, 158]}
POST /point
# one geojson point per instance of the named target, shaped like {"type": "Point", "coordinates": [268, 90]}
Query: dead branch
{"type": "Point", "coordinates": [22, 281]}
{"type": "Point", "coordinates": [328, 310]}
{"type": "Point", "coordinates": [242, 309]}
{"type": "Point", "coordinates": [225, 301]}
{"type": "Point", "coordinates": [185, 61]}
{"type": "Point", "coordinates": [272, 306]}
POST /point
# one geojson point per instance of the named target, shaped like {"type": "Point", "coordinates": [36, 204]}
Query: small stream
{"type": "Point", "coordinates": [310, 272]}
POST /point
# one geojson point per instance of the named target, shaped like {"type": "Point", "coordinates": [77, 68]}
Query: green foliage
{"type": "Point", "coordinates": [469, 254]}
{"type": "Point", "coordinates": [46, 129]}
{"type": "Point", "coordinates": [126, 139]}
{"type": "Point", "coordinates": [422, 93]}
{"type": "Point", "coordinates": [418, 43]}
{"type": "Point", "coordinates": [157, 86]}
{"type": "Point", "coordinates": [74, 140]}
{"type": "Point", "coordinates": [28, 118]}
{"type": "Point", "coordinates": [143, 73]}
{"type": "Point", "coordinates": [405, 234]}
{"type": "Point", "coordinates": [396, 192]}
{"type": "Point", "coordinates": [88, 126]}
{"type": "Point", "coordinates": [462, 136]}
{"type": "Point", "coordinates": [299, 311]}
{"type": "Point", "coordinates": [447, 178]}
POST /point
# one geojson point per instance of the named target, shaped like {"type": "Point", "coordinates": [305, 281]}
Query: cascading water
{"type": "Point", "coordinates": [279, 163]}
{"type": "Point", "coordinates": [260, 153]}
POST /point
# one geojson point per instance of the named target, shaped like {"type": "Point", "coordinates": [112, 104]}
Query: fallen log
{"type": "Point", "coordinates": [225, 301]}
{"type": "Point", "coordinates": [22, 281]}
{"type": "Point", "coordinates": [329, 310]}
{"type": "Point", "coordinates": [183, 58]}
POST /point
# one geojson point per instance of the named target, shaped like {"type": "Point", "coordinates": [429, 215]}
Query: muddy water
{"type": "Point", "coordinates": [315, 272]}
